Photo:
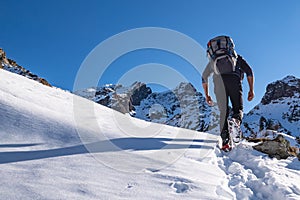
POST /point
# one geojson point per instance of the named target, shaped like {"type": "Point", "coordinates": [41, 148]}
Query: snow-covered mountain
{"type": "Point", "coordinates": [278, 110]}
{"type": "Point", "coordinates": [56, 145]}
{"type": "Point", "coordinates": [12, 66]}
{"type": "Point", "coordinates": [182, 107]}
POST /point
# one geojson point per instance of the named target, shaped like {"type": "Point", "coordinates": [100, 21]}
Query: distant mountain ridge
{"type": "Point", "coordinates": [184, 107]}
{"type": "Point", "coordinates": [181, 107]}
{"type": "Point", "coordinates": [278, 110]}
{"type": "Point", "coordinates": [12, 66]}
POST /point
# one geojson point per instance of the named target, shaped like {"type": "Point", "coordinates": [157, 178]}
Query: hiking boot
{"type": "Point", "coordinates": [225, 137]}
{"type": "Point", "coordinates": [235, 131]}
{"type": "Point", "coordinates": [226, 147]}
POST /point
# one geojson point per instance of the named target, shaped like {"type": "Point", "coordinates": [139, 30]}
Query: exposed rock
{"type": "Point", "coordinates": [279, 109]}
{"type": "Point", "coordinates": [287, 87]}
{"type": "Point", "coordinates": [182, 107]}
{"type": "Point", "coordinates": [12, 66]}
{"type": "Point", "coordinates": [104, 101]}
{"type": "Point", "coordinates": [3, 58]}
{"type": "Point", "coordinates": [139, 91]}
{"type": "Point", "coordinates": [185, 107]}
{"type": "Point", "coordinates": [44, 82]}
{"type": "Point", "coordinates": [279, 147]}
{"type": "Point", "coordinates": [118, 97]}
{"type": "Point", "coordinates": [121, 103]}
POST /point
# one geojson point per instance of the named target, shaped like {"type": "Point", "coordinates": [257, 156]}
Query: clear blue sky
{"type": "Point", "coordinates": [52, 38]}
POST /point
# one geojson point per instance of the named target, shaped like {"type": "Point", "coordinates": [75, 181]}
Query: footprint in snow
{"type": "Point", "coordinates": [180, 187]}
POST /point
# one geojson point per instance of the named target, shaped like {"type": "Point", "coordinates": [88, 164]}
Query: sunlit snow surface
{"type": "Point", "coordinates": [53, 147]}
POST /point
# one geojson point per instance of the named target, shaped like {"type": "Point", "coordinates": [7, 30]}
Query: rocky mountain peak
{"type": "Point", "coordinates": [139, 91]}
{"type": "Point", "coordinates": [185, 88]}
{"type": "Point", "coordinates": [182, 107]}
{"type": "Point", "coordinates": [287, 87]}
{"type": "Point", "coordinates": [185, 107]}
{"type": "Point", "coordinates": [3, 57]}
{"type": "Point", "coordinates": [116, 96]}
{"type": "Point", "coordinates": [279, 109]}
{"type": "Point", "coordinates": [12, 66]}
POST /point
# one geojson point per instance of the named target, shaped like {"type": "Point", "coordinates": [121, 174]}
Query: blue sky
{"type": "Point", "coordinates": [52, 38]}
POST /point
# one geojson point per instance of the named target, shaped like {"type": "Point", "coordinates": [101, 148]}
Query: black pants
{"type": "Point", "coordinates": [228, 87]}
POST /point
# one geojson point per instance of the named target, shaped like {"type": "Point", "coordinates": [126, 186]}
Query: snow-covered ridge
{"type": "Point", "coordinates": [279, 109]}
{"type": "Point", "coordinates": [181, 107]}
{"type": "Point", "coordinates": [185, 107]}
{"type": "Point", "coordinates": [287, 87]}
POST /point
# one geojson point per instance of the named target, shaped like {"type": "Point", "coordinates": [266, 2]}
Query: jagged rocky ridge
{"type": "Point", "coordinates": [184, 107]}
{"type": "Point", "coordinates": [12, 66]}
{"type": "Point", "coordinates": [278, 110]}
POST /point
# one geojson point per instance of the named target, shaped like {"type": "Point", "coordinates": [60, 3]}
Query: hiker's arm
{"type": "Point", "coordinates": [207, 97]}
{"type": "Point", "coordinates": [247, 69]}
{"type": "Point", "coordinates": [206, 73]}
{"type": "Point", "coordinates": [251, 86]}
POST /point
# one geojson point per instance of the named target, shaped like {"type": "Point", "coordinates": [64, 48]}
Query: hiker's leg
{"type": "Point", "coordinates": [236, 97]}
{"type": "Point", "coordinates": [222, 101]}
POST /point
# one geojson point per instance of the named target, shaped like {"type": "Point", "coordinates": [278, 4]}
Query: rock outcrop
{"type": "Point", "coordinates": [279, 147]}
{"type": "Point", "coordinates": [118, 97]}
{"type": "Point", "coordinates": [12, 66]}
{"type": "Point", "coordinates": [287, 87]}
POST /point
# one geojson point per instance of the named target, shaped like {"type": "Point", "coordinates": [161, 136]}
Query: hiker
{"type": "Point", "coordinates": [228, 70]}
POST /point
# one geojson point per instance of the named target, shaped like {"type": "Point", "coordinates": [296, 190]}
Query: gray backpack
{"type": "Point", "coordinates": [221, 53]}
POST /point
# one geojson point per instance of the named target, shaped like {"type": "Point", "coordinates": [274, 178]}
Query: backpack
{"type": "Point", "coordinates": [221, 53]}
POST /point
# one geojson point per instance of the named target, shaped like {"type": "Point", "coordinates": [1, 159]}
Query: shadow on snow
{"type": "Point", "coordinates": [113, 145]}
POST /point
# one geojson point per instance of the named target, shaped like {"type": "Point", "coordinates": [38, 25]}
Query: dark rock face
{"type": "Point", "coordinates": [288, 87]}
{"type": "Point", "coordinates": [104, 101]}
{"type": "Point", "coordinates": [270, 124]}
{"type": "Point", "coordinates": [139, 92]}
{"type": "Point", "coordinates": [124, 99]}
{"type": "Point", "coordinates": [121, 103]}
{"type": "Point", "coordinates": [117, 97]}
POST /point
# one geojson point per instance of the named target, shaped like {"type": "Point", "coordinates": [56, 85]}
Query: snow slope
{"type": "Point", "coordinates": [55, 145]}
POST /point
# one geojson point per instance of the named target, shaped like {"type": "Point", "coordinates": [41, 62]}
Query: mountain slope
{"type": "Point", "coordinates": [54, 147]}
{"type": "Point", "coordinates": [42, 156]}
